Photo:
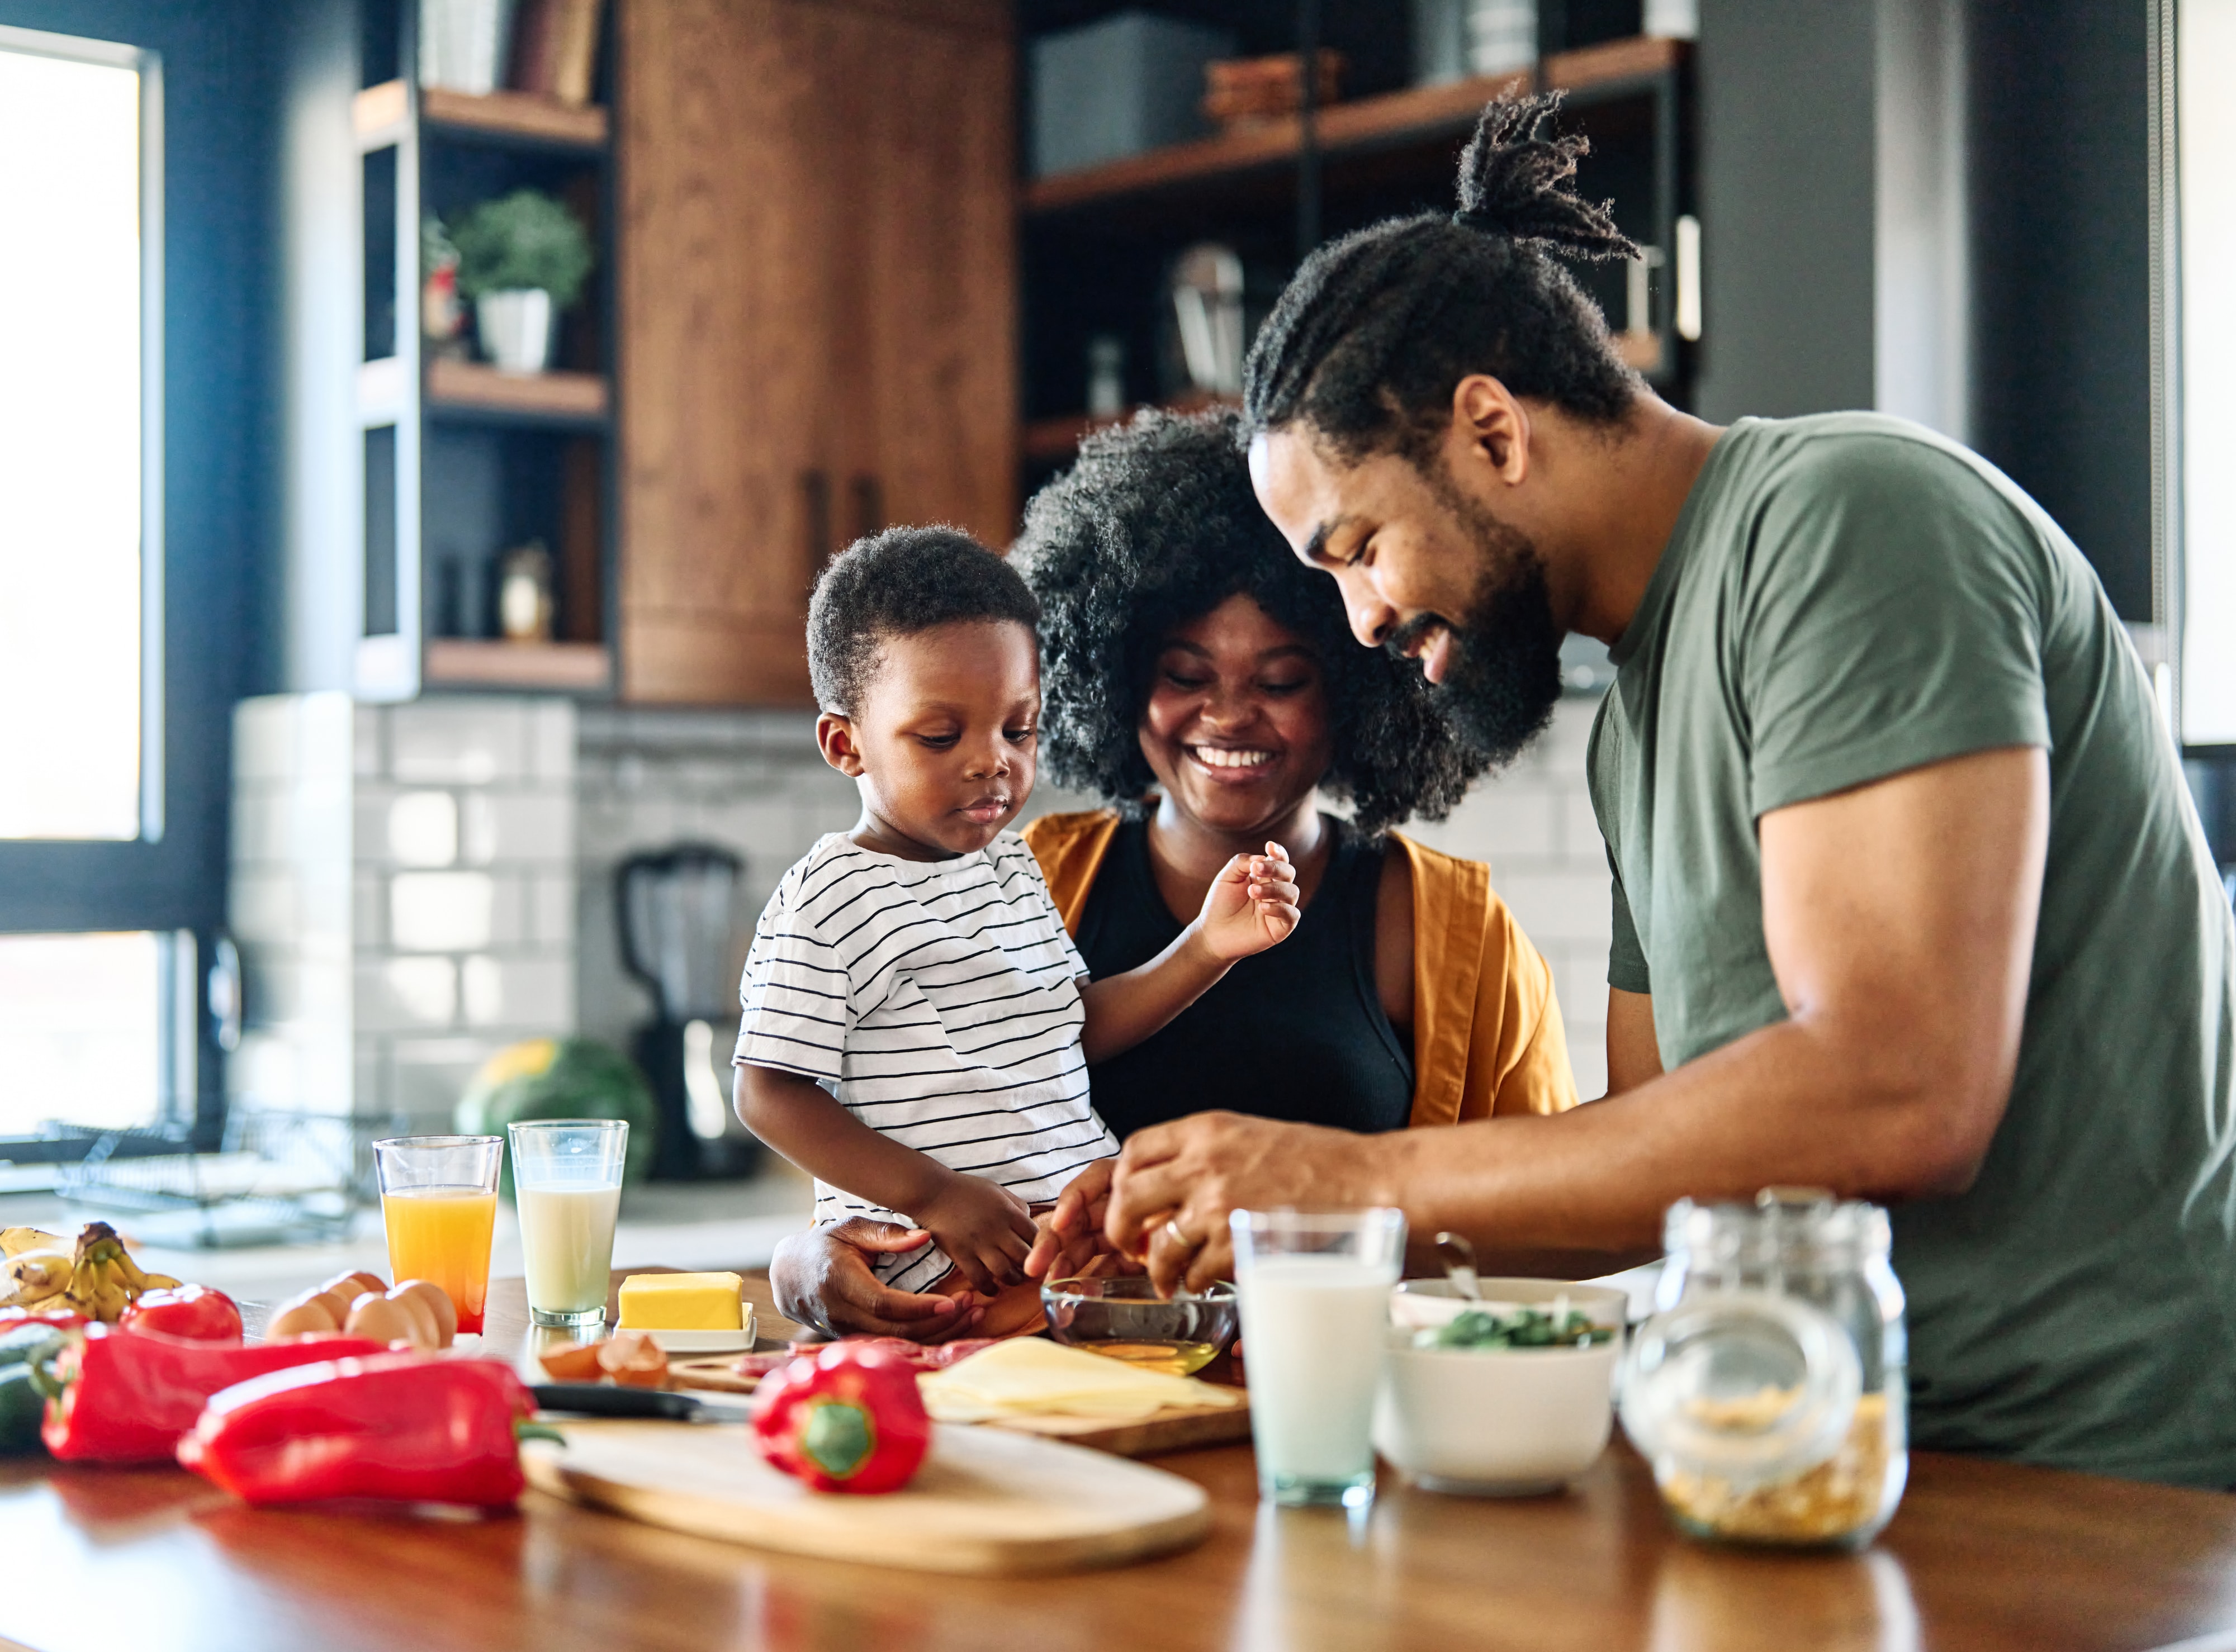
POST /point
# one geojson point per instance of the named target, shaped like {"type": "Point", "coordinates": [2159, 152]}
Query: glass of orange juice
{"type": "Point", "coordinates": [438, 1198]}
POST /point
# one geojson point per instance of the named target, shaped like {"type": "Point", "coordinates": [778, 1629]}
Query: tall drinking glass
{"type": "Point", "coordinates": [567, 1177]}
{"type": "Point", "coordinates": [1315, 1289]}
{"type": "Point", "coordinates": [438, 1199]}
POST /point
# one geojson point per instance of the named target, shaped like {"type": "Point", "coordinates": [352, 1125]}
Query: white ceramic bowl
{"type": "Point", "coordinates": [1496, 1422]}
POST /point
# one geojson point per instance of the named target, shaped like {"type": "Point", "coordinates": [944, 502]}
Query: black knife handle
{"type": "Point", "coordinates": [603, 1399]}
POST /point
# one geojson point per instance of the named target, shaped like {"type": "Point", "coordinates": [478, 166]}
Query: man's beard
{"type": "Point", "coordinates": [1504, 676]}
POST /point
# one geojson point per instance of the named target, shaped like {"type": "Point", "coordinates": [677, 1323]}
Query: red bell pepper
{"type": "Point", "coordinates": [844, 1419]}
{"type": "Point", "coordinates": [127, 1396]}
{"type": "Point", "coordinates": [194, 1311]}
{"type": "Point", "coordinates": [398, 1426]}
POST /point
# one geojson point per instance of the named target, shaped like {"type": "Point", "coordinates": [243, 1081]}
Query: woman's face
{"type": "Point", "coordinates": [1236, 724]}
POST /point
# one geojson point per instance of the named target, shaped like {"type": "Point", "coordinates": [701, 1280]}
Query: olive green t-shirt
{"type": "Point", "coordinates": [1849, 596]}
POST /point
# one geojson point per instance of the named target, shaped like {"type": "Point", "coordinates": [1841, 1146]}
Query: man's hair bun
{"type": "Point", "coordinates": [1516, 182]}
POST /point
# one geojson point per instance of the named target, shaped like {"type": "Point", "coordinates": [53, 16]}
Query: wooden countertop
{"type": "Point", "coordinates": [1980, 1557]}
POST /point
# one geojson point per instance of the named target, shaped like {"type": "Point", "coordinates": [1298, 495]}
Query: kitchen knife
{"type": "Point", "coordinates": [607, 1400]}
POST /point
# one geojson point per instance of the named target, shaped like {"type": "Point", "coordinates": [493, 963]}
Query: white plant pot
{"type": "Point", "coordinates": [516, 329]}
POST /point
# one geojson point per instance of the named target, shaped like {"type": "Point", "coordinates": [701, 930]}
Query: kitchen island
{"type": "Point", "coordinates": [1981, 1556]}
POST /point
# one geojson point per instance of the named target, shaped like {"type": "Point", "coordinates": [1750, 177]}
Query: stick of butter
{"type": "Point", "coordinates": [683, 1303]}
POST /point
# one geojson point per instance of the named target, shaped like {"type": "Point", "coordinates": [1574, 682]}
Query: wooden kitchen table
{"type": "Point", "coordinates": [1979, 1556]}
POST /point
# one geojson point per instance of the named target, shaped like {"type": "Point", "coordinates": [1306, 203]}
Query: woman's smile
{"type": "Point", "coordinates": [1232, 762]}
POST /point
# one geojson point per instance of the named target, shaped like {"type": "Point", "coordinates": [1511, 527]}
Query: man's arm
{"type": "Point", "coordinates": [1899, 919]}
{"type": "Point", "coordinates": [1632, 1055]}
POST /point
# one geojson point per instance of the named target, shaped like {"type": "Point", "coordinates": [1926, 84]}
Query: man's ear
{"type": "Point", "coordinates": [834, 737]}
{"type": "Point", "coordinates": [1491, 427]}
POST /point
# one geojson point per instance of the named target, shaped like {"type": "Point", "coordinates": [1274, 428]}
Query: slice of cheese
{"type": "Point", "coordinates": [1028, 1376]}
{"type": "Point", "coordinates": [683, 1303]}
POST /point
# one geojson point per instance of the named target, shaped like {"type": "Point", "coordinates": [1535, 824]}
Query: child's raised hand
{"type": "Point", "coordinates": [983, 1227]}
{"type": "Point", "coordinates": [1252, 904]}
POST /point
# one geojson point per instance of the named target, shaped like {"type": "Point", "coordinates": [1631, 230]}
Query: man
{"type": "Point", "coordinates": [1910, 901]}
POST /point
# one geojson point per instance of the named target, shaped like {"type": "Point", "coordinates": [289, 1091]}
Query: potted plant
{"type": "Point", "coordinates": [522, 258]}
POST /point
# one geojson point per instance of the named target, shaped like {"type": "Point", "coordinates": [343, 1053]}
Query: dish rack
{"type": "Point", "coordinates": [277, 1178]}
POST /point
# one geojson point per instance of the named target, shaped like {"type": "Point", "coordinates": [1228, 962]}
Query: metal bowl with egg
{"type": "Point", "coordinates": [1123, 1318]}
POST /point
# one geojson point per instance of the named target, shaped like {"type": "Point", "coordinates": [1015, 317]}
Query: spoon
{"type": "Point", "coordinates": [1459, 1257]}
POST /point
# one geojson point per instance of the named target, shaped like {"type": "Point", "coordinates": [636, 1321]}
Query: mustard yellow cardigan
{"type": "Point", "coordinates": [1486, 1035]}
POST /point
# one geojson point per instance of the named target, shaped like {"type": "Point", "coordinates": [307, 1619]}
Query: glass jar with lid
{"type": "Point", "coordinates": [1768, 1388]}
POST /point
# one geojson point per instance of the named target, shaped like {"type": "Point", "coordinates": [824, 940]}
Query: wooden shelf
{"type": "Point", "coordinates": [1054, 441]}
{"type": "Point", "coordinates": [507, 114]}
{"type": "Point", "coordinates": [467, 662]}
{"type": "Point", "coordinates": [464, 386]}
{"type": "Point", "coordinates": [1417, 114]}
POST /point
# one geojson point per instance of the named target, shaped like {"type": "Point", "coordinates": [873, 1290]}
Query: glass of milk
{"type": "Point", "coordinates": [566, 1177]}
{"type": "Point", "coordinates": [1315, 1289]}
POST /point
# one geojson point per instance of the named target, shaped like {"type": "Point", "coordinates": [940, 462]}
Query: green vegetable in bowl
{"type": "Point", "coordinates": [1527, 1327]}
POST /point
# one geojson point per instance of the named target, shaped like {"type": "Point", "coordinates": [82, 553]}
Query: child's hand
{"type": "Point", "coordinates": [983, 1227]}
{"type": "Point", "coordinates": [1252, 904]}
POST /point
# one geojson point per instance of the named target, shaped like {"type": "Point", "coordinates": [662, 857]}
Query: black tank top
{"type": "Point", "coordinates": [1294, 1032]}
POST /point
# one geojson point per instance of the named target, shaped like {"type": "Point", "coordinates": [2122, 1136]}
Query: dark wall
{"type": "Point", "coordinates": [1785, 186]}
{"type": "Point", "coordinates": [221, 130]}
{"type": "Point", "coordinates": [2061, 215]}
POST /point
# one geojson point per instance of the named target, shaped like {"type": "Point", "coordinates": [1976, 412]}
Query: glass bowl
{"type": "Point", "coordinates": [1122, 1318]}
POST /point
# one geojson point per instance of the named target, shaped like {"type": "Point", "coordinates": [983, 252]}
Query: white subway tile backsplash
{"type": "Point", "coordinates": [460, 741]}
{"type": "Point", "coordinates": [519, 826]}
{"type": "Point", "coordinates": [427, 1076]}
{"type": "Point", "coordinates": [551, 741]}
{"type": "Point", "coordinates": [547, 900]}
{"type": "Point", "coordinates": [405, 995]}
{"type": "Point", "coordinates": [417, 829]}
{"type": "Point", "coordinates": [1560, 906]}
{"type": "Point", "coordinates": [441, 911]}
{"type": "Point", "coordinates": [369, 744]}
{"type": "Point", "coordinates": [534, 993]}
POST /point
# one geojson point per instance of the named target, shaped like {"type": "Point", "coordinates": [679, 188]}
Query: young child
{"type": "Point", "coordinates": [917, 1024]}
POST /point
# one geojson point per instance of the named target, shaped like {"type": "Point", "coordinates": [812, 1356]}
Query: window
{"type": "Point", "coordinates": [2205, 166]}
{"type": "Point", "coordinates": [95, 1030]}
{"type": "Point", "coordinates": [81, 249]}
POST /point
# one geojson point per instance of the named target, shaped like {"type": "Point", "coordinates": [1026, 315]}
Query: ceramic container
{"type": "Point", "coordinates": [1495, 1422]}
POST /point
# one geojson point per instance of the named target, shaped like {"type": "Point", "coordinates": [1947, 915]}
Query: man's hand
{"type": "Point", "coordinates": [822, 1279]}
{"type": "Point", "coordinates": [1192, 1172]}
{"type": "Point", "coordinates": [1251, 905]}
{"type": "Point", "coordinates": [1071, 1233]}
{"type": "Point", "coordinates": [983, 1228]}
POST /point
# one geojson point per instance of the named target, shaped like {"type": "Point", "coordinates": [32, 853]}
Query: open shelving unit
{"type": "Point", "coordinates": [462, 463]}
{"type": "Point", "coordinates": [1096, 242]}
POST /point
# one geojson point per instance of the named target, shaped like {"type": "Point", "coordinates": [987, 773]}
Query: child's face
{"type": "Point", "coordinates": [944, 738]}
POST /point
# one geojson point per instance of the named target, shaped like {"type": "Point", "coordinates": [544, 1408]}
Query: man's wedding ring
{"type": "Point", "coordinates": [1173, 1232]}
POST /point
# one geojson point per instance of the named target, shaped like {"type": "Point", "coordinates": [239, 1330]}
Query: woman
{"type": "Point", "coordinates": [1199, 678]}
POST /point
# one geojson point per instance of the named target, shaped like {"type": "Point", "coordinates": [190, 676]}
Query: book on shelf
{"type": "Point", "coordinates": [554, 49]}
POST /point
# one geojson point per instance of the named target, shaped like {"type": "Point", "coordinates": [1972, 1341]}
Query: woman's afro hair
{"type": "Point", "coordinates": [1155, 526]}
{"type": "Point", "coordinates": [895, 584]}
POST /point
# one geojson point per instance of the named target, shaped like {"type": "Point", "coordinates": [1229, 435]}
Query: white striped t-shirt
{"type": "Point", "coordinates": [938, 1001]}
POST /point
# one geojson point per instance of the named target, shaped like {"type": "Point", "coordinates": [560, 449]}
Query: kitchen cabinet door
{"type": "Point", "coordinates": [818, 313]}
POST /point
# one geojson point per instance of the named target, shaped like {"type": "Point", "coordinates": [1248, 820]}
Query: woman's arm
{"type": "Point", "coordinates": [1633, 1055]}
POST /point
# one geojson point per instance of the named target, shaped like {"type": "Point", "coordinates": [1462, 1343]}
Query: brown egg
{"type": "Point", "coordinates": [425, 1331]}
{"type": "Point", "coordinates": [338, 1304]}
{"type": "Point", "coordinates": [438, 1304]}
{"type": "Point", "coordinates": [350, 1286]}
{"type": "Point", "coordinates": [380, 1320]}
{"type": "Point", "coordinates": [301, 1317]}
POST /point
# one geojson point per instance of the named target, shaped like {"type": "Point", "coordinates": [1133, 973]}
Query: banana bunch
{"type": "Point", "coordinates": [96, 1278]}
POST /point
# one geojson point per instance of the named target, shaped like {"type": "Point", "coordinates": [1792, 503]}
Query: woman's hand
{"type": "Point", "coordinates": [1176, 1184]}
{"type": "Point", "coordinates": [1251, 905]}
{"type": "Point", "coordinates": [822, 1279]}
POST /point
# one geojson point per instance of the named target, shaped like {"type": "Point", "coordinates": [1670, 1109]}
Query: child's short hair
{"type": "Point", "coordinates": [895, 584]}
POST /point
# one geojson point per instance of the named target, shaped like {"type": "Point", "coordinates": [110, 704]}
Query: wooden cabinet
{"type": "Point", "coordinates": [818, 313]}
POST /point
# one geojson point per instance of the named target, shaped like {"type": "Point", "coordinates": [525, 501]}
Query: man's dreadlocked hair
{"type": "Point", "coordinates": [1368, 342]}
{"type": "Point", "coordinates": [1155, 527]}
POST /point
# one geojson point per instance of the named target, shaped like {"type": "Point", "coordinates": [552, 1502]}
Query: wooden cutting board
{"type": "Point", "coordinates": [985, 1501]}
{"type": "Point", "coordinates": [1174, 1429]}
